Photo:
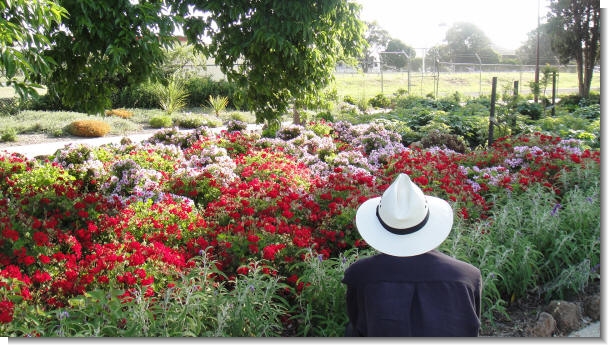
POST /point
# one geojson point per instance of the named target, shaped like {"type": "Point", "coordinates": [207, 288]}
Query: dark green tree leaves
{"type": "Point", "coordinates": [105, 45]}
{"type": "Point", "coordinates": [574, 27]}
{"type": "Point", "coordinates": [22, 41]}
{"type": "Point", "coordinates": [279, 51]}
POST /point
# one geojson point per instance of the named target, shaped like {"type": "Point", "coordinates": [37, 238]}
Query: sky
{"type": "Point", "coordinates": [423, 23]}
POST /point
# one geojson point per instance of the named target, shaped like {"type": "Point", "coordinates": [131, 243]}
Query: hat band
{"type": "Point", "coordinates": [404, 231]}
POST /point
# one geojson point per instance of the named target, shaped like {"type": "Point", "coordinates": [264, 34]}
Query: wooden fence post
{"type": "Point", "coordinates": [492, 111]}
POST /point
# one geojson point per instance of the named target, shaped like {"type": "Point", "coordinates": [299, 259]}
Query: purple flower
{"type": "Point", "coordinates": [555, 209]}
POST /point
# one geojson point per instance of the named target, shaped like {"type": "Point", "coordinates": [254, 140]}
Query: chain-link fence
{"type": "Point", "coordinates": [445, 78]}
{"type": "Point", "coordinates": [440, 79]}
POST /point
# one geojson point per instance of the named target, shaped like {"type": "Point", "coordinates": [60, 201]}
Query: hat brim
{"type": "Point", "coordinates": [435, 231]}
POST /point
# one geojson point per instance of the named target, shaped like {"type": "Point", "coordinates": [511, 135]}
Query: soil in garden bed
{"type": "Point", "coordinates": [524, 312]}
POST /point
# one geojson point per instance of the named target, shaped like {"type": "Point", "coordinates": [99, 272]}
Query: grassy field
{"type": "Point", "coordinates": [365, 86]}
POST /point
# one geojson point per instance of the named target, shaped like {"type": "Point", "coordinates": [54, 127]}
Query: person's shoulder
{"type": "Point", "coordinates": [456, 263]}
{"type": "Point", "coordinates": [362, 267]}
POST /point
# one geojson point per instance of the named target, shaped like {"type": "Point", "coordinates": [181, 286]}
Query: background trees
{"type": "Point", "coordinates": [574, 28]}
{"type": "Point", "coordinates": [280, 52]}
{"type": "Point", "coordinates": [23, 39]}
{"type": "Point", "coordinates": [398, 60]}
{"type": "Point", "coordinates": [527, 52]}
{"type": "Point", "coordinates": [377, 40]}
{"type": "Point", "coordinates": [105, 45]}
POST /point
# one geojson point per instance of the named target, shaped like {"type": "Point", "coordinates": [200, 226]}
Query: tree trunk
{"type": "Point", "coordinates": [580, 67]}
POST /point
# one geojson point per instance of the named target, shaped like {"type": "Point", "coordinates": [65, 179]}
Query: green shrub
{"type": "Point", "coordinates": [444, 140]}
{"type": "Point", "coordinates": [200, 88]}
{"type": "Point", "coordinates": [162, 121]}
{"type": "Point", "coordinates": [9, 106]}
{"type": "Point", "coordinates": [189, 121]}
{"type": "Point", "coordinates": [9, 134]}
{"type": "Point", "coordinates": [590, 112]}
{"type": "Point", "coordinates": [380, 101]}
{"type": "Point", "coordinates": [533, 110]}
{"type": "Point", "coordinates": [143, 95]}
{"type": "Point", "coordinates": [326, 115]}
{"type": "Point", "coordinates": [349, 99]}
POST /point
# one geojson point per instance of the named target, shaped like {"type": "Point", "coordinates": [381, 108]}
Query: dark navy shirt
{"type": "Point", "coordinates": [428, 295]}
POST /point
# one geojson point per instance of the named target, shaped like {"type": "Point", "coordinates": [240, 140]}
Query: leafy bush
{"type": "Point", "coordinates": [88, 128]}
{"type": "Point", "coordinates": [444, 140]}
{"type": "Point", "coordinates": [189, 121]}
{"type": "Point", "coordinates": [143, 95]}
{"type": "Point", "coordinates": [9, 106]}
{"type": "Point", "coordinates": [349, 99]}
{"type": "Point", "coordinates": [380, 101]}
{"type": "Point", "coordinates": [161, 121]}
{"type": "Point", "coordinates": [201, 88]}
{"type": "Point", "coordinates": [9, 134]}
{"type": "Point", "coordinates": [533, 110]}
{"type": "Point", "coordinates": [326, 116]}
{"type": "Point", "coordinates": [590, 112]}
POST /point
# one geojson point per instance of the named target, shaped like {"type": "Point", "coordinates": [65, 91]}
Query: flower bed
{"type": "Point", "coordinates": [137, 218]}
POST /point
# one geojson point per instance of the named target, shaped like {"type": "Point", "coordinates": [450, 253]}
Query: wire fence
{"type": "Point", "coordinates": [442, 79]}
{"type": "Point", "coordinates": [445, 78]}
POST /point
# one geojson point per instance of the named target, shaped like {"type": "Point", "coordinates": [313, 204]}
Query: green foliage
{"type": "Point", "coordinates": [444, 140]}
{"type": "Point", "coordinates": [402, 54]}
{"type": "Point", "coordinates": [107, 45]}
{"type": "Point", "coordinates": [189, 121]}
{"type": "Point", "coordinates": [23, 41]}
{"type": "Point", "coordinates": [574, 31]}
{"type": "Point", "coordinates": [380, 101]}
{"type": "Point", "coordinates": [143, 95]}
{"type": "Point", "coordinates": [9, 134]}
{"type": "Point", "coordinates": [590, 112]}
{"type": "Point", "coordinates": [218, 104]}
{"type": "Point", "coordinates": [162, 121]}
{"type": "Point", "coordinates": [322, 302]}
{"type": "Point", "coordinates": [201, 88]}
{"type": "Point", "coordinates": [173, 97]}
{"type": "Point", "coordinates": [9, 106]}
{"type": "Point", "coordinates": [533, 110]}
{"type": "Point", "coordinates": [279, 55]}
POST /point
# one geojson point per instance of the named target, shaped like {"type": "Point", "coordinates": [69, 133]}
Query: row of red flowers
{"type": "Point", "coordinates": [134, 215]}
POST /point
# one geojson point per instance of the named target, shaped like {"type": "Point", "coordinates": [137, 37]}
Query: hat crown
{"type": "Point", "coordinates": [403, 205]}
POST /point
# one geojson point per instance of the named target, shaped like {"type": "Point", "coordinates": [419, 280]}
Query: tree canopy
{"type": "Point", "coordinates": [104, 45]}
{"type": "Point", "coordinates": [465, 43]}
{"type": "Point", "coordinates": [23, 39]}
{"type": "Point", "coordinates": [527, 52]}
{"type": "Point", "coordinates": [398, 54]}
{"type": "Point", "coordinates": [278, 51]}
{"type": "Point", "coordinates": [574, 27]}
{"type": "Point", "coordinates": [377, 39]}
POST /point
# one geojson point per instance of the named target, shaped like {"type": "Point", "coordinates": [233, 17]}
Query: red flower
{"type": "Point", "coordinates": [271, 250]}
{"type": "Point", "coordinates": [10, 234]}
{"type": "Point", "coordinates": [41, 277]}
{"type": "Point", "coordinates": [6, 311]}
{"type": "Point", "coordinates": [41, 239]}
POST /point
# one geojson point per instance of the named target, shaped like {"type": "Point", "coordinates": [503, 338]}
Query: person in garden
{"type": "Point", "coordinates": [410, 288]}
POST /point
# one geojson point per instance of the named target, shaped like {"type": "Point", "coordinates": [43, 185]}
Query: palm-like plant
{"type": "Point", "coordinates": [218, 103]}
{"type": "Point", "coordinates": [174, 97]}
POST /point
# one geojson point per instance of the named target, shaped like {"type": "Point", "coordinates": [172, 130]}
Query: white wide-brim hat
{"type": "Point", "coordinates": [404, 221]}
